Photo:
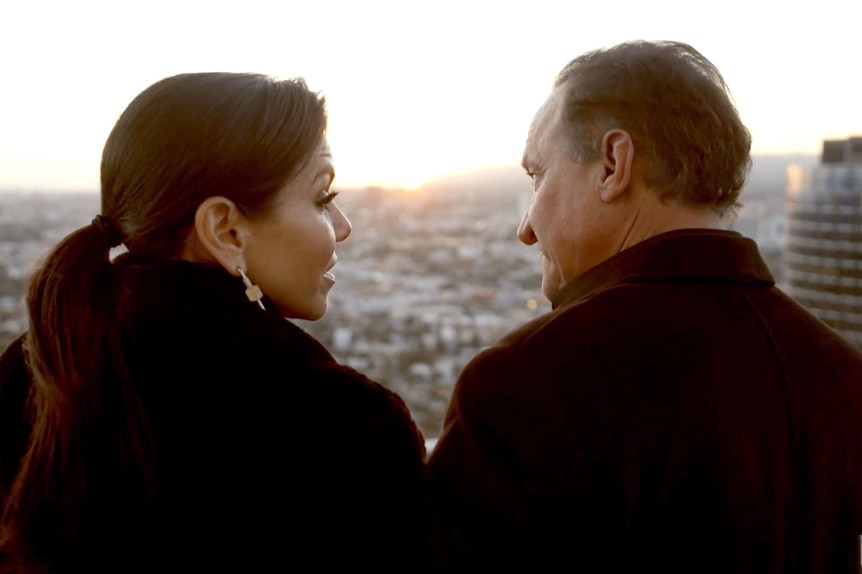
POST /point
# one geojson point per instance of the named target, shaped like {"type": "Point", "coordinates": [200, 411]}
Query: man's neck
{"type": "Point", "coordinates": [655, 217]}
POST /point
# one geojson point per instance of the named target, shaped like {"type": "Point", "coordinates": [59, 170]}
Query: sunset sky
{"type": "Point", "coordinates": [415, 90]}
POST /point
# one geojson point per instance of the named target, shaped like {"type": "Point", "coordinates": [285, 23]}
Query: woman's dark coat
{"type": "Point", "coordinates": [269, 453]}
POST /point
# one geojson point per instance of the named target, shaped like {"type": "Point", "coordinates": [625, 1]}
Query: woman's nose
{"type": "Point", "coordinates": [341, 224]}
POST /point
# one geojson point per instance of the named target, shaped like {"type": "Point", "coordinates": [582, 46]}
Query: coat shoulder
{"type": "Point", "coordinates": [14, 413]}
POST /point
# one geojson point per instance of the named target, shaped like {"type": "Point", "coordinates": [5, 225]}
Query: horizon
{"type": "Point", "coordinates": [807, 159]}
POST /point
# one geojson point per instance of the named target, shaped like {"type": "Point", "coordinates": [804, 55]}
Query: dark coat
{"type": "Point", "coordinates": [674, 412]}
{"type": "Point", "coordinates": [270, 455]}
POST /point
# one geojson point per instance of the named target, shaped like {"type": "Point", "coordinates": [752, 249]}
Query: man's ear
{"type": "Point", "coordinates": [219, 233]}
{"type": "Point", "coordinates": [618, 152]}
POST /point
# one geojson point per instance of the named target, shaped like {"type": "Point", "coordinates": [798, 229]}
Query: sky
{"type": "Point", "coordinates": [415, 90]}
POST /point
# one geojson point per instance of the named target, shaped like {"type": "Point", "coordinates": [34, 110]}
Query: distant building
{"type": "Point", "coordinates": [763, 216]}
{"type": "Point", "coordinates": [823, 259]}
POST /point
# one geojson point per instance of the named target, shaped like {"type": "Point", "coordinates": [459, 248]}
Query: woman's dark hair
{"type": "Point", "coordinates": [183, 139]}
{"type": "Point", "coordinates": [678, 110]}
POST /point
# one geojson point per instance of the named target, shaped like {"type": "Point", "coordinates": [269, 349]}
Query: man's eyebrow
{"type": "Point", "coordinates": [525, 163]}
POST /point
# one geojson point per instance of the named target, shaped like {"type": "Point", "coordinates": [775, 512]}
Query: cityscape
{"type": "Point", "coordinates": [427, 279]}
{"type": "Point", "coordinates": [431, 277]}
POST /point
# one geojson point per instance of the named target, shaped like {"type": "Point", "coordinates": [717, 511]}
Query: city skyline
{"type": "Point", "coordinates": [415, 91]}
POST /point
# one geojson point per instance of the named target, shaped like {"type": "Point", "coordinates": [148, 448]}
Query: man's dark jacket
{"type": "Point", "coordinates": [675, 412]}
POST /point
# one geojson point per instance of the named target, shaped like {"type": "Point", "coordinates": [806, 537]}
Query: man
{"type": "Point", "coordinates": [674, 412]}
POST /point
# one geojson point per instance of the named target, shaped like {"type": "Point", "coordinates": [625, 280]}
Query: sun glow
{"type": "Point", "coordinates": [412, 185]}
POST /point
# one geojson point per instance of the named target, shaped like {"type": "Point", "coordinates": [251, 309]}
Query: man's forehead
{"type": "Point", "coordinates": [545, 114]}
{"type": "Point", "coordinates": [543, 122]}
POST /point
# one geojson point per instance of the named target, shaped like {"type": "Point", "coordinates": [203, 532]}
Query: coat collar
{"type": "Point", "coordinates": [191, 297]}
{"type": "Point", "coordinates": [682, 254]}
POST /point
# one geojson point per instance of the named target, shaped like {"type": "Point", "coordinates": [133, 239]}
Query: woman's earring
{"type": "Point", "coordinates": [252, 291]}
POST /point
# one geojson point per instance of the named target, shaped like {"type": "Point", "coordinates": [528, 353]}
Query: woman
{"type": "Point", "coordinates": [161, 412]}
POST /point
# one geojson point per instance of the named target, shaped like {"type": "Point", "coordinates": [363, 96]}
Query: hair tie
{"type": "Point", "coordinates": [110, 230]}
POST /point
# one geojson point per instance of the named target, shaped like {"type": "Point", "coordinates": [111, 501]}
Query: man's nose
{"type": "Point", "coordinates": [525, 230]}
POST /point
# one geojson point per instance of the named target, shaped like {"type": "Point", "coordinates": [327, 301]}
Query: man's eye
{"type": "Point", "coordinates": [326, 199]}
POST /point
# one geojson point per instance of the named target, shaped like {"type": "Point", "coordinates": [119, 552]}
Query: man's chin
{"type": "Point", "coordinates": [549, 289]}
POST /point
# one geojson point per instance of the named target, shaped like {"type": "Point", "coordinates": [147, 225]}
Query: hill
{"type": "Point", "coordinates": [768, 174]}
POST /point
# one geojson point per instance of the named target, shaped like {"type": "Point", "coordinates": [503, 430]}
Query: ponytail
{"type": "Point", "coordinates": [89, 429]}
{"type": "Point", "coordinates": [87, 478]}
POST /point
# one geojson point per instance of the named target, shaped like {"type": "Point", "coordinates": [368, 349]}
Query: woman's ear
{"type": "Point", "coordinates": [217, 236]}
{"type": "Point", "coordinates": [618, 152]}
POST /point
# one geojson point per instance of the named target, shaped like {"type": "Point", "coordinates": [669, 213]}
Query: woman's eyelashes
{"type": "Point", "coordinates": [324, 201]}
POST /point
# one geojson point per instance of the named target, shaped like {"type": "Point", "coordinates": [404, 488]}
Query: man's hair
{"type": "Point", "coordinates": [678, 110]}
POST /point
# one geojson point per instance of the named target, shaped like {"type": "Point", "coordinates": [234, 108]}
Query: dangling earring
{"type": "Point", "coordinates": [252, 291]}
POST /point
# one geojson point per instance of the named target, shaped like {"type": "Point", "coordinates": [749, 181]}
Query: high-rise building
{"type": "Point", "coordinates": [823, 259]}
